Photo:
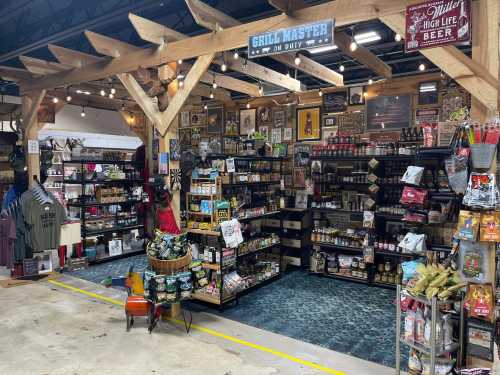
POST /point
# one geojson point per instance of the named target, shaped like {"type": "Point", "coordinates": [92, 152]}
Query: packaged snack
{"type": "Point", "coordinates": [414, 363]}
{"type": "Point", "coordinates": [479, 301]}
{"type": "Point", "coordinates": [447, 331]}
{"type": "Point", "coordinates": [185, 284]}
{"type": "Point", "coordinates": [413, 196]}
{"type": "Point", "coordinates": [171, 288]}
{"type": "Point", "coordinates": [443, 366]}
{"type": "Point", "coordinates": [468, 225]}
{"type": "Point", "coordinates": [490, 227]}
{"type": "Point", "coordinates": [409, 333]}
{"type": "Point", "coordinates": [473, 258]}
{"type": "Point", "coordinates": [413, 175]}
{"type": "Point", "coordinates": [482, 191]}
{"type": "Point", "coordinates": [419, 327]}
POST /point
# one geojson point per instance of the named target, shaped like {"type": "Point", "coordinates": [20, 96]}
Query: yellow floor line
{"type": "Point", "coordinates": [211, 332]}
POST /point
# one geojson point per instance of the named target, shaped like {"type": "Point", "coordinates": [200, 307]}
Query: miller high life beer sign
{"type": "Point", "coordinates": [437, 23]}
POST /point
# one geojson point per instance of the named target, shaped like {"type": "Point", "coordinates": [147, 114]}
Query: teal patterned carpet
{"type": "Point", "coordinates": [342, 316]}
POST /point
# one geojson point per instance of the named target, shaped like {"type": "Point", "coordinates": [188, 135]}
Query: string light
{"type": "Point", "coordinates": [205, 106]}
{"type": "Point", "coordinates": [370, 81]}
{"type": "Point", "coordinates": [181, 83]}
{"type": "Point", "coordinates": [214, 84]}
{"type": "Point", "coordinates": [111, 96]}
{"type": "Point", "coordinates": [236, 55]}
{"type": "Point", "coordinates": [211, 94]}
{"type": "Point", "coordinates": [123, 106]}
{"type": "Point", "coordinates": [223, 67]}
{"type": "Point", "coordinates": [398, 37]}
{"type": "Point", "coordinates": [341, 68]}
{"type": "Point", "coordinates": [55, 100]}
{"type": "Point", "coordinates": [261, 89]}
{"type": "Point", "coordinates": [103, 93]}
{"type": "Point", "coordinates": [68, 98]}
{"type": "Point", "coordinates": [179, 61]}
{"type": "Point", "coordinates": [288, 74]}
{"type": "Point", "coordinates": [353, 46]}
{"type": "Point", "coordinates": [248, 105]}
{"type": "Point", "coordinates": [82, 113]}
{"type": "Point", "coordinates": [113, 90]}
{"type": "Point", "coordinates": [421, 67]}
{"type": "Point", "coordinates": [320, 92]}
{"type": "Point", "coordinates": [297, 59]}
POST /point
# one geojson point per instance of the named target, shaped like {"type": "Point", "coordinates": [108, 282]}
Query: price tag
{"type": "Point", "coordinates": [33, 147]}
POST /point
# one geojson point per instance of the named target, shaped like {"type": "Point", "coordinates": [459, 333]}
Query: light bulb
{"type": "Point", "coordinates": [205, 106]}
{"type": "Point", "coordinates": [113, 90]}
{"type": "Point", "coordinates": [103, 93]}
{"type": "Point", "coordinates": [261, 89]}
{"type": "Point", "coordinates": [248, 105]}
{"type": "Point", "coordinates": [181, 83]}
{"type": "Point", "coordinates": [83, 112]}
{"type": "Point", "coordinates": [223, 67]}
{"type": "Point", "coordinates": [398, 37]}
{"type": "Point", "coordinates": [320, 92]}
{"type": "Point", "coordinates": [353, 46]}
{"type": "Point", "coordinates": [341, 68]}
{"type": "Point", "coordinates": [214, 85]}
{"type": "Point", "coordinates": [211, 95]}
{"type": "Point", "coordinates": [236, 55]}
{"type": "Point", "coordinates": [421, 67]}
{"type": "Point", "coordinates": [370, 81]}
{"type": "Point", "coordinates": [297, 59]}
{"type": "Point", "coordinates": [111, 96]}
{"type": "Point", "coordinates": [55, 100]}
{"type": "Point", "coordinates": [68, 98]}
{"type": "Point", "coordinates": [288, 74]}
{"type": "Point", "coordinates": [365, 94]}
{"type": "Point", "coordinates": [179, 61]}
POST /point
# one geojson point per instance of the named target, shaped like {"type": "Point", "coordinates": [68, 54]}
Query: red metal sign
{"type": "Point", "coordinates": [437, 23]}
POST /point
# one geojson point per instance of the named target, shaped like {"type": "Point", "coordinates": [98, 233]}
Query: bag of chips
{"type": "Point", "coordinates": [479, 301]}
{"type": "Point", "coordinates": [468, 225]}
{"type": "Point", "coordinates": [413, 196]}
{"type": "Point", "coordinates": [490, 227]}
{"type": "Point", "coordinates": [413, 175]}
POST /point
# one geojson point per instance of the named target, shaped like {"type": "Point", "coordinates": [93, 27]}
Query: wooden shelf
{"type": "Point", "coordinates": [205, 297]}
{"type": "Point", "coordinates": [211, 266]}
{"type": "Point", "coordinates": [203, 232]}
{"type": "Point", "coordinates": [199, 214]}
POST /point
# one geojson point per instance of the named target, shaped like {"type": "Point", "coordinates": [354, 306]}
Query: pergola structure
{"type": "Point", "coordinates": [159, 65]}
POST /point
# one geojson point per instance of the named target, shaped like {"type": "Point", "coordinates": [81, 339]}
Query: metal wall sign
{"type": "Point", "coordinates": [438, 23]}
{"type": "Point", "coordinates": [311, 35]}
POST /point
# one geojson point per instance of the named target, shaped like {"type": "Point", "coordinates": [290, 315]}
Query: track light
{"type": "Point", "coordinates": [103, 93]}
{"type": "Point", "coordinates": [82, 113]}
{"type": "Point", "coordinates": [211, 94]}
{"type": "Point", "coordinates": [113, 90]}
{"type": "Point", "coordinates": [320, 92]}
{"type": "Point", "coordinates": [370, 81]}
{"type": "Point", "coordinates": [236, 55]}
{"type": "Point", "coordinates": [55, 100]}
{"type": "Point", "coordinates": [421, 67]}
{"type": "Point", "coordinates": [68, 98]}
{"type": "Point", "coordinates": [297, 59]}
{"type": "Point", "coordinates": [353, 46]}
{"type": "Point", "coordinates": [398, 37]}
{"type": "Point", "coordinates": [248, 105]}
{"type": "Point", "coordinates": [341, 68]}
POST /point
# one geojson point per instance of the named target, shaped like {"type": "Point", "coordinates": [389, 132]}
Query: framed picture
{"type": "Point", "coordinates": [163, 163]}
{"type": "Point", "coordinates": [330, 132]}
{"type": "Point", "coordinates": [265, 115]}
{"type": "Point", "coordinates": [308, 124]}
{"type": "Point", "coordinates": [214, 120]}
{"type": "Point", "coordinates": [334, 102]}
{"type": "Point", "coordinates": [287, 134]}
{"type": "Point", "coordinates": [276, 135]}
{"type": "Point", "coordinates": [195, 136]}
{"type": "Point", "coordinates": [185, 137]}
{"type": "Point", "coordinates": [299, 177]}
{"type": "Point", "coordinates": [330, 120]}
{"type": "Point", "coordinates": [388, 112]}
{"type": "Point", "coordinates": [198, 118]}
{"type": "Point", "coordinates": [175, 150]}
{"type": "Point", "coordinates": [356, 95]}
{"type": "Point", "coordinates": [184, 119]}
{"type": "Point", "coordinates": [231, 122]}
{"type": "Point", "coordinates": [428, 93]}
{"type": "Point", "coordinates": [47, 113]}
{"type": "Point", "coordinates": [264, 130]}
{"type": "Point", "coordinates": [247, 121]}
{"type": "Point", "coordinates": [301, 155]}
{"type": "Point", "coordinates": [279, 117]}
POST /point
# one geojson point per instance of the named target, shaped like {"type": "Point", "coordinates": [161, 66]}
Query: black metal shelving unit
{"type": "Point", "coordinates": [83, 204]}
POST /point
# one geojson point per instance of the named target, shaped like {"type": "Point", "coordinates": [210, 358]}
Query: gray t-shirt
{"type": "Point", "coordinates": [43, 221]}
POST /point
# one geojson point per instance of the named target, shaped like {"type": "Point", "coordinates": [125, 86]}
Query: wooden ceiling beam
{"type": "Point", "coordinates": [457, 65]}
{"type": "Point", "coordinates": [9, 73]}
{"type": "Point", "coordinates": [42, 67]}
{"type": "Point", "coordinates": [231, 83]}
{"type": "Point", "coordinates": [179, 99]}
{"type": "Point", "coordinates": [211, 18]}
{"type": "Point", "coordinates": [344, 11]}
{"type": "Point", "coordinates": [73, 58]}
{"type": "Point", "coordinates": [156, 33]}
{"type": "Point", "coordinates": [109, 46]}
{"type": "Point", "coordinates": [204, 90]}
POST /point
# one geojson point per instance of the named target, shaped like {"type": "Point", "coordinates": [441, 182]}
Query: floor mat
{"type": "Point", "coordinates": [342, 316]}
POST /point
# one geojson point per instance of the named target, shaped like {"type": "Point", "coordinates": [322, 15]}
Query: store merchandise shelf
{"type": "Point", "coordinates": [389, 216]}
{"type": "Point", "coordinates": [426, 350]}
{"type": "Point", "coordinates": [364, 157]}
{"type": "Point", "coordinates": [384, 285]}
{"type": "Point", "coordinates": [396, 254]}
{"type": "Point", "coordinates": [342, 277]}
{"type": "Point", "coordinates": [338, 247]}
{"type": "Point", "coordinates": [111, 230]}
{"type": "Point", "coordinates": [259, 249]}
{"type": "Point", "coordinates": [205, 297]}
{"type": "Point", "coordinates": [251, 183]}
{"type": "Point", "coordinates": [424, 300]}
{"type": "Point", "coordinates": [115, 257]}
{"type": "Point", "coordinates": [327, 209]}
{"type": "Point", "coordinates": [86, 161]}
{"type": "Point", "coordinates": [260, 283]}
{"type": "Point", "coordinates": [104, 182]}
{"type": "Point", "coordinates": [199, 214]}
{"type": "Point", "coordinates": [272, 213]}
{"type": "Point", "coordinates": [247, 157]}
{"type": "Point", "coordinates": [97, 204]}
{"type": "Point", "coordinates": [204, 232]}
{"type": "Point", "coordinates": [201, 195]}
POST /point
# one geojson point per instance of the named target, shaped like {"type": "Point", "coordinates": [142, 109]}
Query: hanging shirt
{"type": "Point", "coordinates": [43, 221]}
{"type": "Point", "coordinates": [7, 240]}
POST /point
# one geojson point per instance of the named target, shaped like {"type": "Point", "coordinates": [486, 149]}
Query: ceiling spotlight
{"type": "Point", "coordinates": [68, 98]}
{"type": "Point", "coordinates": [320, 92]}
{"type": "Point", "coordinates": [341, 68]}
{"type": "Point", "coordinates": [223, 67]}
{"type": "Point", "coordinates": [236, 55]}
{"type": "Point", "coordinates": [297, 59]}
{"type": "Point", "coordinates": [103, 93]}
{"type": "Point", "coordinates": [398, 37]}
{"type": "Point", "coordinates": [111, 96]}
{"type": "Point", "coordinates": [179, 61]}
{"type": "Point", "coordinates": [370, 81]}
{"type": "Point", "coordinates": [211, 94]}
{"type": "Point", "coordinates": [205, 106]}
{"type": "Point", "coordinates": [421, 67]}
{"type": "Point", "coordinates": [248, 105]}
{"type": "Point", "coordinates": [353, 46]}
{"type": "Point", "coordinates": [55, 100]}
{"type": "Point", "coordinates": [82, 113]}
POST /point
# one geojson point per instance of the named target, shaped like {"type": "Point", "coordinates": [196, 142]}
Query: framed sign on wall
{"type": "Point", "coordinates": [388, 112]}
{"type": "Point", "coordinates": [308, 124]}
{"type": "Point", "coordinates": [334, 102]}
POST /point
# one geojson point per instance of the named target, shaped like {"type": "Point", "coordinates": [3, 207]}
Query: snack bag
{"type": "Point", "coordinates": [479, 301]}
{"type": "Point", "coordinates": [490, 227]}
{"type": "Point", "coordinates": [468, 225]}
{"type": "Point", "coordinates": [413, 175]}
{"type": "Point", "coordinates": [413, 196]}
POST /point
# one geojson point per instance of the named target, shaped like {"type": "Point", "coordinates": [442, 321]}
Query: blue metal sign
{"type": "Point", "coordinates": [308, 36]}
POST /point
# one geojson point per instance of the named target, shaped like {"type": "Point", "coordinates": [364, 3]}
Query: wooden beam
{"type": "Point", "coordinates": [212, 18]}
{"type": "Point", "coordinates": [110, 47]}
{"type": "Point", "coordinates": [141, 98]}
{"type": "Point", "coordinates": [192, 78]}
{"type": "Point", "coordinates": [288, 6]}
{"type": "Point", "coordinates": [205, 90]}
{"type": "Point", "coordinates": [152, 30]}
{"type": "Point", "coordinates": [454, 63]}
{"type": "Point", "coordinates": [14, 74]}
{"type": "Point", "coordinates": [42, 67]}
{"type": "Point", "coordinates": [363, 55]}
{"type": "Point", "coordinates": [231, 83]}
{"type": "Point", "coordinates": [73, 58]}
{"type": "Point", "coordinates": [344, 11]}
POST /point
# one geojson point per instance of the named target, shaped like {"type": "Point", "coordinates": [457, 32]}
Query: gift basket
{"type": "Point", "coordinates": [168, 253]}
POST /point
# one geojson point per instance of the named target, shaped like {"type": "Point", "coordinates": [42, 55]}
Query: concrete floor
{"type": "Point", "coordinates": [47, 329]}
